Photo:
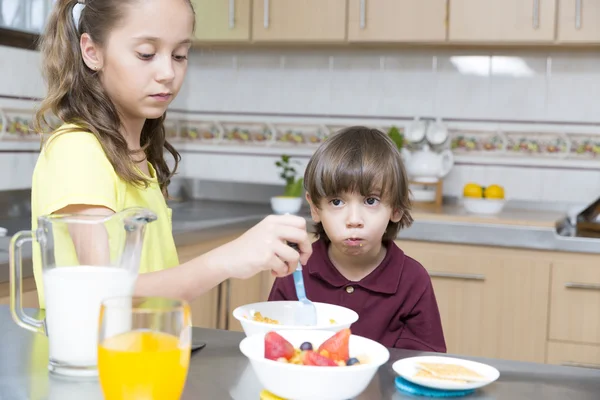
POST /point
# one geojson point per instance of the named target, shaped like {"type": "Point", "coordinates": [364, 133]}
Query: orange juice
{"type": "Point", "coordinates": [142, 365]}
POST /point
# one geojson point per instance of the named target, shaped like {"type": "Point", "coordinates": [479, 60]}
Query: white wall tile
{"type": "Point", "coordinates": [408, 87]}
{"type": "Point", "coordinates": [356, 84]}
{"type": "Point", "coordinates": [258, 83]}
{"type": "Point", "coordinates": [20, 73]}
{"type": "Point", "coordinates": [211, 82]}
{"type": "Point", "coordinates": [575, 186]}
{"type": "Point", "coordinates": [573, 88]}
{"type": "Point", "coordinates": [305, 83]}
{"type": "Point", "coordinates": [518, 87]}
{"type": "Point", "coordinates": [463, 86]}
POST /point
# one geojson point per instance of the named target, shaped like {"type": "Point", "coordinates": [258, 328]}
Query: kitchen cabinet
{"type": "Point", "coordinates": [493, 301]}
{"type": "Point", "coordinates": [30, 294]}
{"type": "Point", "coordinates": [573, 355]}
{"type": "Point", "coordinates": [502, 21]}
{"type": "Point", "coordinates": [575, 299]}
{"type": "Point", "coordinates": [222, 21]}
{"type": "Point", "coordinates": [299, 21]}
{"type": "Point", "coordinates": [578, 21]}
{"type": "Point", "coordinates": [397, 20]}
{"type": "Point", "coordinates": [205, 308]}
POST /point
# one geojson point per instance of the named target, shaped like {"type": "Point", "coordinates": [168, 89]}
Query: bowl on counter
{"type": "Point", "coordinates": [302, 382]}
{"type": "Point", "coordinates": [281, 313]}
{"type": "Point", "coordinates": [483, 206]}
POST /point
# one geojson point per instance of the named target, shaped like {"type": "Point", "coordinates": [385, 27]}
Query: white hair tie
{"type": "Point", "coordinates": [77, 9]}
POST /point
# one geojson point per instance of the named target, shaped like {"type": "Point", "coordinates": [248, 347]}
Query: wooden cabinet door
{"type": "Point", "coordinates": [575, 299]}
{"type": "Point", "coordinates": [578, 21]}
{"type": "Point", "coordinates": [493, 302]}
{"type": "Point", "coordinates": [205, 308]}
{"type": "Point", "coordinates": [299, 21]}
{"type": "Point", "coordinates": [574, 355]}
{"type": "Point", "coordinates": [502, 21]}
{"type": "Point", "coordinates": [222, 20]}
{"type": "Point", "coordinates": [397, 20]}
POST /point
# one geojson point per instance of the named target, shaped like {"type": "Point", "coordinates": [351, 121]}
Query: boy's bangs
{"type": "Point", "coordinates": [354, 174]}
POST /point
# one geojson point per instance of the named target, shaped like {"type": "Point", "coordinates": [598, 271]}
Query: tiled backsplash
{"type": "Point", "coordinates": [531, 88]}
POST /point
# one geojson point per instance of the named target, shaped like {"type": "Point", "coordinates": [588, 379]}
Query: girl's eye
{"type": "Point", "coordinates": [336, 202]}
{"type": "Point", "coordinates": [180, 58]}
{"type": "Point", "coordinates": [372, 201]}
{"type": "Point", "coordinates": [145, 56]}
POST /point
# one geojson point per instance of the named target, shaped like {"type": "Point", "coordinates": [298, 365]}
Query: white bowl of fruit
{"type": "Point", "coordinates": [311, 364]}
{"type": "Point", "coordinates": [279, 315]}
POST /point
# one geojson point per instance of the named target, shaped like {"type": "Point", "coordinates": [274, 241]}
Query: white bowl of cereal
{"type": "Point", "coordinates": [314, 364]}
{"type": "Point", "coordinates": [269, 315]}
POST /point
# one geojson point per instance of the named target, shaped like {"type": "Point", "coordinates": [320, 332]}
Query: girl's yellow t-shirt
{"type": "Point", "coordinates": [73, 169]}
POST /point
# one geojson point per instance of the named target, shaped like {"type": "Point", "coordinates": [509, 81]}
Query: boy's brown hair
{"type": "Point", "coordinates": [362, 160]}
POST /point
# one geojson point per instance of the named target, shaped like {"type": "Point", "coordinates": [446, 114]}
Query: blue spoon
{"type": "Point", "coordinates": [306, 312]}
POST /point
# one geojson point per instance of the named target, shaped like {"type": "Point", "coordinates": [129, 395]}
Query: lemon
{"type": "Point", "coordinates": [473, 190]}
{"type": "Point", "coordinates": [494, 192]}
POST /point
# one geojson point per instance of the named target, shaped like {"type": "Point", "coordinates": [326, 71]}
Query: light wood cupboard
{"type": "Point", "coordinates": [493, 301]}
{"type": "Point", "coordinates": [573, 355]}
{"type": "Point", "coordinates": [30, 294]}
{"type": "Point", "coordinates": [397, 20]}
{"type": "Point", "coordinates": [502, 21]}
{"type": "Point", "coordinates": [205, 308]}
{"type": "Point", "coordinates": [299, 21]}
{"type": "Point", "coordinates": [578, 21]}
{"type": "Point", "coordinates": [575, 299]}
{"type": "Point", "coordinates": [222, 20]}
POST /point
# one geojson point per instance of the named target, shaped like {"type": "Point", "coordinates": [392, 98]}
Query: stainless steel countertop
{"type": "Point", "coordinates": [198, 220]}
{"type": "Point", "coordinates": [220, 372]}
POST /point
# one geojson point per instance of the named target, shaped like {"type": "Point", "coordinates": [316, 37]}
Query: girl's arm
{"type": "Point", "coordinates": [261, 248]}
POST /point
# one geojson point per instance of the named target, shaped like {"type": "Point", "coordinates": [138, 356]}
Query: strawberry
{"type": "Point", "coordinates": [313, 358]}
{"type": "Point", "coordinates": [277, 347]}
{"type": "Point", "coordinates": [337, 346]}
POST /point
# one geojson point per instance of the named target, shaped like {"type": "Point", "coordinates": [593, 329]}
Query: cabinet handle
{"type": "Point", "coordinates": [469, 277]}
{"type": "Point", "coordinates": [231, 14]}
{"type": "Point", "coordinates": [581, 365]}
{"type": "Point", "coordinates": [536, 14]}
{"type": "Point", "coordinates": [585, 286]}
{"type": "Point", "coordinates": [363, 14]}
{"type": "Point", "coordinates": [578, 14]}
{"type": "Point", "coordinates": [266, 14]}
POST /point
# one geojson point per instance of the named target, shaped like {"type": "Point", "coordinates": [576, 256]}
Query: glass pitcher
{"type": "Point", "coordinates": [84, 259]}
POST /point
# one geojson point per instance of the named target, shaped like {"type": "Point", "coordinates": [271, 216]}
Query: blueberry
{"type": "Point", "coordinates": [352, 361]}
{"type": "Point", "coordinates": [306, 346]}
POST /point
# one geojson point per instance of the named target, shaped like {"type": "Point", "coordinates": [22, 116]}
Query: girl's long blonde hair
{"type": "Point", "coordinates": [76, 95]}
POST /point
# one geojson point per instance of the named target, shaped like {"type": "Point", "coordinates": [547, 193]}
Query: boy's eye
{"type": "Point", "coordinates": [144, 56]}
{"type": "Point", "coordinates": [372, 201]}
{"type": "Point", "coordinates": [179, 58]}
{"type": "Point", "coordinates": [336, 202]}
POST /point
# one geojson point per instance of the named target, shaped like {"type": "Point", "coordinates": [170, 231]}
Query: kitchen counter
{"type": "Point", "coordinates": [220, 372]}
{"type": "Point", "coordinates": [515, 227]}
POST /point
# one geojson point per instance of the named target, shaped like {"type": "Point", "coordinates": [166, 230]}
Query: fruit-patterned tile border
{"type": "Point", "coordinates": [584, 146]}
{"type": "Point", "coordinates": [537, 144]}
{"type": "Point", "coordinates": [464, 141]}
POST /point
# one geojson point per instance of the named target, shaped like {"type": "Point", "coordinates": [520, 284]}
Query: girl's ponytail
{"type": "Point", "coordinates": [61, 58]}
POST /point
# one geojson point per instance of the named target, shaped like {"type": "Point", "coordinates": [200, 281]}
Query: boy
{"type": "Point", "coordinates": [357, 190]}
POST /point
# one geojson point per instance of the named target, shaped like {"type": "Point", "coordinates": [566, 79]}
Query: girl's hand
{"type": "Point", "coordinates": [264, 247]}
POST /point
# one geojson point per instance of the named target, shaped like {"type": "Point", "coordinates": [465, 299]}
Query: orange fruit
{"type": "Point", "coordinates": [473, 190]}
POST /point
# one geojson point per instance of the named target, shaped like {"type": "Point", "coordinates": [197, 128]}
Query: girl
{"type": "Point", "coordinates": [110, 78]}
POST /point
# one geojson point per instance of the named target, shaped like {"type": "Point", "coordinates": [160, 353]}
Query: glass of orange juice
{"type": "Point", "coordinates": [144, 346]}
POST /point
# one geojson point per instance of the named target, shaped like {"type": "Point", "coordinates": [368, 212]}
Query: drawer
{"type": "Point", "coordinates": [575, 300]}
{"type": "Point", "coordinates": [573, 355]}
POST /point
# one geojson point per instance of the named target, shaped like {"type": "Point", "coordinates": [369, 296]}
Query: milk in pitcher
{"type": "Point", "coordinates": [73, 298]}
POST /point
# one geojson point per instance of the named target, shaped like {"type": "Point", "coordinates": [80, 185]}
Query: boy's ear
{"type": "Point", "coordinates": [314, 210]}
{"type": "Point", "coordinates": [396, 216]}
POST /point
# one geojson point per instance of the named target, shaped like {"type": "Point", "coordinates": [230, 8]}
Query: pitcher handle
{"type": "Point", "coordinates": [16, 284]}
